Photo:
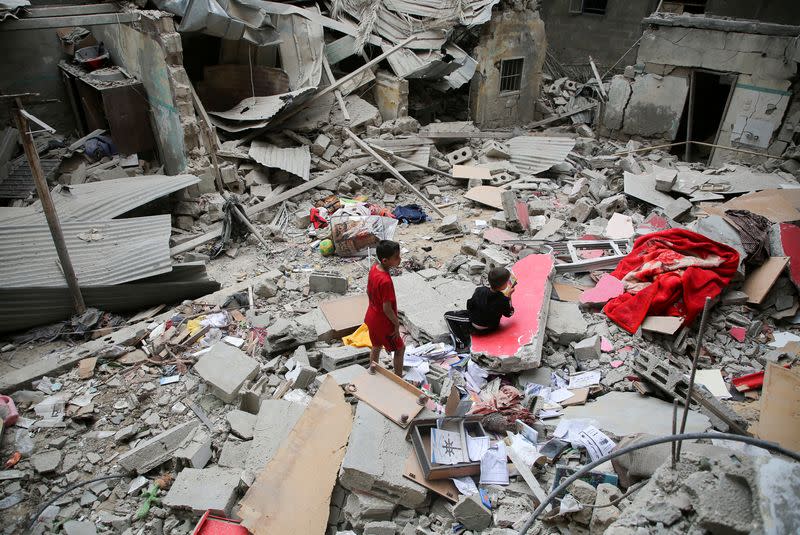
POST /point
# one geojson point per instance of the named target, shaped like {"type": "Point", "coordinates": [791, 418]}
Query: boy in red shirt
{"type": "Point", "coordinates": [381, 318]}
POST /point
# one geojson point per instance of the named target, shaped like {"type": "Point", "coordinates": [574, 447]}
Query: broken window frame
{"type": "Point", "coordinates": [578, 7]}
{"type": "Point", "coordinates": [516, 76]}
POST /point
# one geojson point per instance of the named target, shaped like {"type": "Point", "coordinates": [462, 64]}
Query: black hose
{"type": "Point", "coordinates": [69, 489]}
{"type": "Point", "coordinates": [770, 446]}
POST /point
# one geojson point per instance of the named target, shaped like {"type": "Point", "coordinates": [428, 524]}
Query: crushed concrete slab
{"type": "Point", "coordinates": [46, 461]}
{"type": "Point", "coordinates": [626, 413]}
{"type": "Point", "coordinates": [565, 322]}
{"type": "Point", "coordinates": [423, 305]}
{"type": "Point", "coordinates": [342, 376]}
{"type": "Point", "coordinates": [276, 418]}
{"type": "Point", "coordinates": [375, 460]}
{"type": "Point", "coordinates": [76, 527]}
{"type": "Point", "coordinates": [471, 512]}
{"type": "Point", "coordinates": [202, 490]}
{"type": "Point", "coordinates": [361, 508]}
{"type": "Point", "coordinates": [225, 368]}
{"type": "Point", "coordinates": [234, 454]}
{"type": "Point", "coordinates": [195, 451]}
{"type": "Point", "coordinates": [157, 450]}
{"type": "Point", "coordinates": [241, 423]}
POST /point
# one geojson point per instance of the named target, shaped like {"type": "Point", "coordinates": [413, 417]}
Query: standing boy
{"type": "Point", "coordinates": [484, 309]}
{"type": "Point", "coordinates": [381, 318]}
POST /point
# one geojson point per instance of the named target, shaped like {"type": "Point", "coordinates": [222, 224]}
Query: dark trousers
{"type": "Point", "coordinates": [460, 327]}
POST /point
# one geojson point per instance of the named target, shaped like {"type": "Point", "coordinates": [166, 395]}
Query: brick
{"type": "Point", "coordinates": [334, 358]}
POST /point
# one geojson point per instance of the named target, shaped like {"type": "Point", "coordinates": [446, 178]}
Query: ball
{"type": "Point", "coordinates": [326, 247]}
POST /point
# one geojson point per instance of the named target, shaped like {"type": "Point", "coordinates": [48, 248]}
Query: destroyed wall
{"type": "Point", "coordinates": [152, 52]}
{"type": "Point", "coordinates": [29, 65]}
{"type": "Point", "coordinates": [510, 34]}
{"type": "Point", "coordinates": [652, 103]}
{"type": "Point", "coordinates": [777, 11]}
{"type": "Point", "coordinates": [573, 37]}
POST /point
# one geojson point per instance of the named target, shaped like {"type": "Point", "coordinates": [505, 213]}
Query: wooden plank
{"type": "Point", "coordinates": [345, 313]}
{"type": "Point", "coordinates": [538, 492]}
{"type": "Point", "coordinates": [486, 195]}
{"type": "Point", "coordinates": [127, 115]}
{"type": "Point", "coordinates": [345, 168]}
{"type": "Point", "coordinates": [388, 394]}
{"type": "Point", "coordinates": [758, 284]}
{"type": "Point", "coordinates": [780, 420]}
{"type": "Point", "coordinates": [443, 487]}
{"type": "Point", "coordinates": [92, 104]}
{"type": "Point", "coordinates": [68, 21]}
{"type": "Point", "coordinates": [66, 11]}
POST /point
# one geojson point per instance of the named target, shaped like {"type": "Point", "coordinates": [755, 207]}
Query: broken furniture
{"type": "Point", "coordinates": [419, 433]}
{"type": "Point", "coordinates": [388, 394]}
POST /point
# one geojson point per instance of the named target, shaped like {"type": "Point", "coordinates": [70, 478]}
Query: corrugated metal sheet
{"type": "Point", "coordinates": [19, 183]}
{"type": "Point", "coordinates": [261, 108]}
{"type": "Point", "coordinates": [31, 306]}
{"type": "Point", "coordinates": [102, 252]}
{"type": "Point", "coordinates": [294, 160]}
{"type": "Point", "coordinates": [96, 201]}
{"type": "Point", "coordinates": [416, 149]}
{"type": "Point", "coordinates": [534, 154]}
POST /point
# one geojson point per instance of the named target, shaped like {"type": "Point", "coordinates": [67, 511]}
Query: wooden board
{"type": "Point", "coordinates": [128, 118]}
{"type": "Point", "coordinates": [443, 487]}
{"type": "Point", "coordinates": [292, 493]}
{"type": "Point", "coordinates": [471, 171]}
{"type": "Point", "coordinates": [760, 281]}
{"type": "Point", "coordinates": [345, 313]}
{"type": "Point", "coordinates": [568, 292]}
{"type": "Point", "coordinates": [579, 396]}
{"type": "Point", "coordinates": [486, 195]}
{"type": "Point", "coordinates": [388, 394]}
{"type": "Point", "coordinates": [780, 420]}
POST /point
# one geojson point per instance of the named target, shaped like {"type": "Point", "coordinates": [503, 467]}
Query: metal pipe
{"type": "Point", "coordinates": [689, 119]}
{"type": "Point", "coordinates": [769, 446]}
{"type": "Point", "coordinates": [701, 331]}
{"type": "Point", "coordinates": [49, 209]}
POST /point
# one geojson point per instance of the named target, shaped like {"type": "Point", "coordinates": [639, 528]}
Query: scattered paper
{"type": "Point", "coordinates": [569, 505]}
{"type": "Point", "coordinates": [529, 433]}
{"type": "Point", "coordinates": [234, 341]}
{"type": "Point", "coordinates": [494, 467]}
{"type": "Point", "coordinates": [562, 394]}
{"type": "Point", "coordinates": [782, 338]}
{"type": "Point", "coordinates": [446, 447]}
{"type": "Point", "coordinates": [524, 450]}
{"type": "Point", "coordinates": [477, 447]}
{"type": "Point", "coordinates": [570, 429]}
{"type": "Point", "coordinates": [596, 442]}
{"type": "Point", "coordinates": [585, 379]}
{"type": "Point", "coordinates": [465, 485]}
{"type": "Point", "coordinates": [549, 413]}
{"type": "Point", "coordinates": [712, 379]}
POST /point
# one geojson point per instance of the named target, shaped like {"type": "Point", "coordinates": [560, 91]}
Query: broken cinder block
{"type": "Point", "coordinates": [225, 369]}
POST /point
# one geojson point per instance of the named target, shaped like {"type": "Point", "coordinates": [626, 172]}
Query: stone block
{"type": "Point", "coordinates": [202, 490]}
{"type": "Point", "coordinates": [156, 450]}
{"type": "Point", "coordinates": [334, 358]}
{"type": "Point", "coordinates": [242, 423]}
{"type": "Point", "coordinates": [302, 376]}
{"type": "Point", "coordinates": [266, 289]}
{"type": "Point", "coordinates": [195, 451]}
{"type": "Point", "coordinates": [225, 369]}
{"type": "Point", "coordinates": [588, 349]}
{"type": "Point", "coordinates": [327, 281]}
{"type": "Point", "coordinates": [234, 454]}
{"type": "Point", "coordinates": [565, 322]}
{"type": "Point", "coordinates": [471, 512]}
{"type": "Point", "coordinates": [275, 420]}
{"type": "Point", "coordinates": [375, 460]}
{"type": "Point", "coordinates": [604, 514]}
{"type": "Point", "coordinates": [583, 492]}
{"type": "Point", "coordinates": [361, 508]}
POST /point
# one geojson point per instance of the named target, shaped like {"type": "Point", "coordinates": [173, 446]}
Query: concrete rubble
{"type": "Point", "coordinates": [164, 400]}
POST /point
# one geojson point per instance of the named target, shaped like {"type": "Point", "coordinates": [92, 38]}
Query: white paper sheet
{"type": "Point", "coordinates": [596, 442]}
{"type": "Point", "coordinates": [446, 447]}
{"type": "Point", "coordinates": [465, 485]}
{"type": "Point", "coordinates": [562, 394]}
{"type": "Point", "coordinates": [494, 467]}
{"type": "Point", "coordinates": [476, 447]}
{"type": "Point", "coordinates": [582, 380]}
{"type": "Point", "coordinates": [712, 379]}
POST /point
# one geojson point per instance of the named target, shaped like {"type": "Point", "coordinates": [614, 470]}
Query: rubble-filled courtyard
{"type": "Point", "coordinates": [183, 346]}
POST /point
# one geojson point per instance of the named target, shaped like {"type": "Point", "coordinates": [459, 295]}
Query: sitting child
{"type": "Point", "coordinates": [484, 309]}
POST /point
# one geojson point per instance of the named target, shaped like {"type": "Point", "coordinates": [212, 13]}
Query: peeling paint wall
{"type": "Point", "coordinates": [511, 33]}
{"type": "Point", "coordinates": [151, 51]}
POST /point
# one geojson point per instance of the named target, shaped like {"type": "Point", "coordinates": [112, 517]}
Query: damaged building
{"type": "Point", "coordinates": [193, 195]}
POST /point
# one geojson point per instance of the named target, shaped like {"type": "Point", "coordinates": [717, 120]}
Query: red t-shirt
{"type": "Point", "coordinates": [380, 289]}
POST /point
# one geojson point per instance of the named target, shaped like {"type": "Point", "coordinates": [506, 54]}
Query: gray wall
{"type": "Point", "coordinates": [573, 37]}
{"type": "Point", "coordinates": [777, 11]}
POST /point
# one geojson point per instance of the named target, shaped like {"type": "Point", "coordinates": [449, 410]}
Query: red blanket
{"type": "Point", "coordinates": [670, 273]}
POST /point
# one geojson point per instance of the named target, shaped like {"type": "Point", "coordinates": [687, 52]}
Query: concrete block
{"type": "Point", "coordinates": [611, 205]}
{"type": "Point", "coordinates": [565, 322]}
{"type": "Point", "coordinates": [538, 207]}
{"type": "Point", "coordinates": [234, 454]}
{"type": "Point", "coordinates": [76, 527]}
{"type": "Point", "coordinates": [471, 512]}
{"type": "Point", "coordinates": [302, 376]}
{"type": "Point", "coordinates": [361, 508]}
{"type": "Point", "coordinates": [195, 451]}
{"type": "Point", "coordinates": [275, 420]}
{"type": "Point", "coordinates": [342, 376]}
{"type": "Point", "coordinates": [285, 335]}
{"type": "Point", "coordinates": [665, 183]}
{"type": "Point", "coordinates": [225, 369]}
{"type": "Point", "coordinates": [391, 95]}
{"type": "Point", "coordinates": [470, 246]}
{"type": "Point", "coordinates": [375, 459]}
{"type": "Point", "coordinates": [327, 281]}
{"type": "Point", "coordinates": [581, 211]}
{"type": "Point", "coordinates": [425, 303]}
{"type": "Point", "coordinates": [46, 461]}
{"type": "Point", "coordinates": [316, 320]}
{"type": "Point", "coordinates": [156, 450]}
{"type": "Point", "coordinates": [494, 256]}
{"type": "Point", "coordinates": [320, 144]}
{"type": "Point", "coordinates": [604, 514]}
{"type": "Point", "coordinates": [202, 490]}
{"type": "Point", "coordinates": [334, 358]}
{"type": "Point", "coordinates": [583, 492]}
{"type": "Point", "coordinates": [383, 527]}
{"type": "Point", "coordinates": [460, 156]}
{"type": "Point", "coordinates": [242, 423]}
{"type": "Point", "coordinates": [302, 356]}
{"type": "Point", "coordinates": [449, 225]}
{"type": "Point", "coordinates": [588, 349]}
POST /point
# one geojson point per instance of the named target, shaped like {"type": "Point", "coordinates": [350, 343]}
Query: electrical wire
{"type": "Point", "coordinates": [769, 446]}
{"type": "Point", "coordinates": [69, 489]}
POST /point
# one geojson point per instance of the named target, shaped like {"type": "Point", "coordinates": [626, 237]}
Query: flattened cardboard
{"type": "Point", "coordinates": [579, 396]}
{"type": "Point", "coordinates": [662, 324]}
{"type": "Point", "coordinates": [292, 493]}
{"type": "Point", "coordinates": [345, 313]}
{"type": "Point", "coordinates": [486, 195]}
{"type": "Point", "coordinates": [780, 420]}
{"type": "Point", "coordinates": [471, 171]}
{"type": "Point", "coordinates": [759, 282]}
{"type": "Point", "coordinates": [86, 367]}
{"type": "Point", "coordinates": [443, 487]}
{"type": "Point", "coordinates": [388, 394]}
{"type": "Point", "coordinates": [568, 292]}
{"type": "Point", "coordinates": [777, 205]}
